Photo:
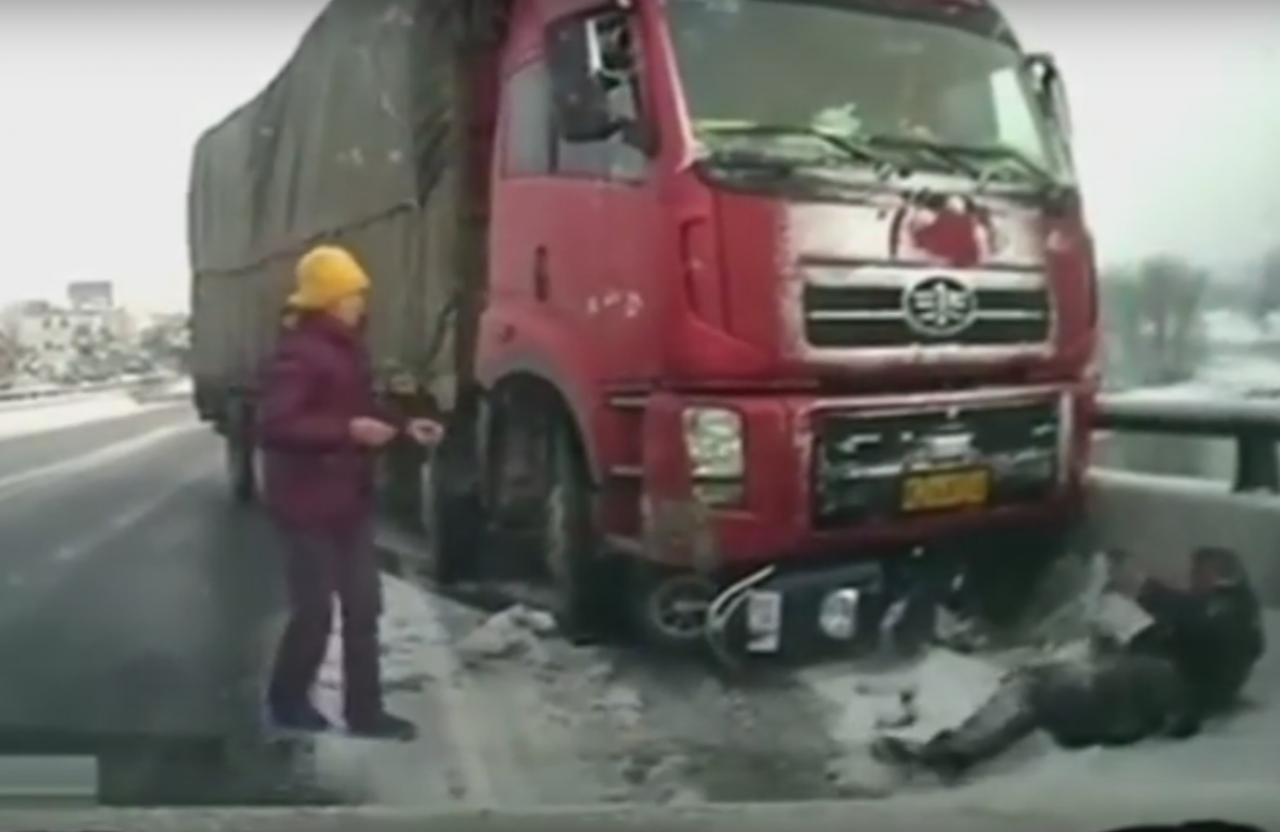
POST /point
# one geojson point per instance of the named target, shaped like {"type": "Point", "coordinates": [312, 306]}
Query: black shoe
{"type": "Point", "coordinates": [383, 726]}
{"type": "Point", "coordinates": [303, 717]}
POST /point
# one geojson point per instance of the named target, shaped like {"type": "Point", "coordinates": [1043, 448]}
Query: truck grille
{"type": "Point", "coordinates": [861, 461]}
{"type": "Point", "coordinates": [1003, 310]}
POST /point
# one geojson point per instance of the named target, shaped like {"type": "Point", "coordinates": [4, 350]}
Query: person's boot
{"type": "Point", "coordinates": [300, 717]}
{"type": "Point", "coordinates": [383, 726]}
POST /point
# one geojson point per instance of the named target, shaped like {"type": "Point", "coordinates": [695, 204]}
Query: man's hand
{"type": "Point", "coordinates": [370, 433]}
{"type": "Point", "coordinates": [427, 432]}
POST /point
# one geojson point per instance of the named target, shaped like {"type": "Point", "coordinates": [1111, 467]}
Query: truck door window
{"type": "Point", "coordinates": [612, 158]}
{"type": "Point", "coordinates": [529, 131]}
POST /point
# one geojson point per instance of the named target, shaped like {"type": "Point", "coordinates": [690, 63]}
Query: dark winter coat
{"type": "Point", "coordinates": [1190, 664]}
{"type": "Point", "coordinates": [319, 379]}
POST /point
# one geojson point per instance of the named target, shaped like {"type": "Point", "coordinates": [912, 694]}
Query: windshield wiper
{"type": "Point", "coordinates": [958, 154]}
{"type": "Point", "coordinates": [939, 152]}
{"type": "Point", "coordinates": [848, 147]}
{"type": "Point", "coordinates": [1029, 166]}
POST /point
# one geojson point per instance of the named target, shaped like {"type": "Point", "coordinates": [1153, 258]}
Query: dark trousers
{"type": "Point", "coordinates": [1006, 717]}
{"type": "Point", "coordinates": [318, 566]}
{"type": "Point", "coordinates": [1115, 700]}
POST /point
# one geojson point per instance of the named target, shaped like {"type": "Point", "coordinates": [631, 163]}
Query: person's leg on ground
{"type": "Point", "coordinates": [309, 572]}
{"type": "Point", "coordinates": [1006, 717]}
{"type": "Point", "coordinates": [360, 592]}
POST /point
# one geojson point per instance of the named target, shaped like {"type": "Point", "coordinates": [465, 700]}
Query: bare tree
{"type": "Point", "coordinates": [1171, 291]}
{"type": "Point", "coordinates": [1268, 300]}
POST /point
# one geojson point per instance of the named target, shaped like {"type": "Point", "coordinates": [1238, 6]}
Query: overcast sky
{"type": "Point", "coordinates": [1176, 106]}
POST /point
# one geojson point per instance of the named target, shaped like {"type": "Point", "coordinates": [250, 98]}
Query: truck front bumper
{"type": "Point", "coordinates": [826, 480]}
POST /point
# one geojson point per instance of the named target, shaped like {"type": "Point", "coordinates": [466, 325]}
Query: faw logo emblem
{"type": "Point", "coordinates": [939, 306]}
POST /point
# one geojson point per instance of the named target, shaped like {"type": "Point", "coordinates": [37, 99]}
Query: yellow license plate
{"type": "Point", "coordinates": [953, 489]}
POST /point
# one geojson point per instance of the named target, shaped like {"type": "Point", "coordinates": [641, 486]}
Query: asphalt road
{"type": "Point", "coordinates": [134, 599]}
{"type": "Point", "coordinates": [138, 608]}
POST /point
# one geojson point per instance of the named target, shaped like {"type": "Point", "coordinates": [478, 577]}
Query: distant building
{"type": "Point", "coordinates": [55, 342]}
{"type": "Point", "coordinates": [91, 294]}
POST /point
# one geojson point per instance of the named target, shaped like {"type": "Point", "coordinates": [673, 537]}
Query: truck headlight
{"type": "Point", "coordinates": [713, 437]}
{"type": "Point", "coordinates": [838, 615]}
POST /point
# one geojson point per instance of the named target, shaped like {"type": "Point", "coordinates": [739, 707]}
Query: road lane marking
{"type": "Point", "coordinates": [87, 462]}
{"type": "Point", "coordinates": [123, 521]}
{"type": "Point", "coordinates": [37, 586]}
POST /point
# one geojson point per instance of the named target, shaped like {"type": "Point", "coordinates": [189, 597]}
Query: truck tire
{"type": "Point", "coordinates": [241, 455]}
{"type": "Point", "coordinates": [571, 543]}
{"type": "Point", "coordinates": [456, 526]}
{"type": "Point", "coordinates": [454, 515]}
{"type": "Point", "coordinates": [1003, 581]}
{"type": "Point", "coordinates": [242, 469]}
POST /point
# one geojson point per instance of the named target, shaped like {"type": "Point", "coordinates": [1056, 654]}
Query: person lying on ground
{"type": "Point", "coordinates": [1163, 660]}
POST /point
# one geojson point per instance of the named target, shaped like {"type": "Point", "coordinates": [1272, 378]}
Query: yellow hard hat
{"type": "Point", "coordinates": [326, 275]}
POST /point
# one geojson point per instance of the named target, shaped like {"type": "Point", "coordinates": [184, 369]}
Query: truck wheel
{"type": "Point", "coordinates": [242, 469]}
{"type": "Point", "coordinates": [456, 525]}
{"type": "Point", "coordinates": [669, 609]}
{"type": "Point", "coordinates": [571, 542]}
{"type": "Point", "coordinates": [1004, 580]}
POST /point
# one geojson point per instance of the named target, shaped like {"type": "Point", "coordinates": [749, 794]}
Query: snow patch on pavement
{"type": "Point", "coordinates": [31, 418]}
{"type": "Point", "coordinates": [514, 716]}
{"type": "Point", "coordinates": [514, 631]}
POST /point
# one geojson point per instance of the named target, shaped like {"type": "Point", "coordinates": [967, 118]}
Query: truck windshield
{"type": "Point", "coordinates": [867, 71]}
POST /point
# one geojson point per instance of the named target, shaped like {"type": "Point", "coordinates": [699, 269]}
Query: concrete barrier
{"type": "Point", "coordinates": [1161, 519]}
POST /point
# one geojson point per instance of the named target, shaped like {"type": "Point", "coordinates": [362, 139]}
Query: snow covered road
{"type": "Point", "coordinates": [532, 721]}
{"type": "Point", "coordinates": [37, 416]}
{"type": "Point", "coordinates": [148, 598]}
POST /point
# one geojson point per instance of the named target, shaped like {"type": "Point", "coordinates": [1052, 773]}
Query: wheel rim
{"type": "Point", "coordinates": [677, 607]}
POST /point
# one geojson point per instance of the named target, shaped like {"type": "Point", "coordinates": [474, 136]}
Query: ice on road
{"type": "Point", "coordinates": [27, 418]}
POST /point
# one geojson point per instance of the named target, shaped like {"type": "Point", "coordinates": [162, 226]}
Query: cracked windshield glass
{"type": "Point", "coordinates": [654, 411]}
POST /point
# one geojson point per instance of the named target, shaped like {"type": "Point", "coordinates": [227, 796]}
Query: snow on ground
{"type": "Point", "coordinates": [1230, 326]}
{"type": "Point", "coordinates": [26, 418]}
{"type": "Point", "coordinates": [513, 716]}
{"type": "Point", "coordinates": [1233, 375]}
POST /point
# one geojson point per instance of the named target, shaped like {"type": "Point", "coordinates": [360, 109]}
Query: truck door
{"type": "Point", "coordinates": [543, 261]}
{"type": "Point", "coordinates": [574, 227]}
{"type": "Point", "coordinates": [617, 300]}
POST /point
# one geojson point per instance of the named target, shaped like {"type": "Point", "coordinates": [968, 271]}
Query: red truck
{"type": "Point", "coordinates": [737, 309]}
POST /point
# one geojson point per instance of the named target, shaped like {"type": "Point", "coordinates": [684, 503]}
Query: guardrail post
{"type": "Point", "coordinates": [1256, 468]}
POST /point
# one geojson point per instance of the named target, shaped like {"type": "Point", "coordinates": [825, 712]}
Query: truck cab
{"type": "Point", "coordinates": [775, 284]}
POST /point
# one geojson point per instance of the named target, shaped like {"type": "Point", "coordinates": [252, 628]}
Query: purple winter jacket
{"type": "Point", "coordinates": [317, 478]}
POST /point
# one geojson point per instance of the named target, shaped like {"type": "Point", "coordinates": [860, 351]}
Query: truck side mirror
{"type": "Point", "coordinates": [588, 58]}
{"type": "Point", "coordinates": [1051, 91]}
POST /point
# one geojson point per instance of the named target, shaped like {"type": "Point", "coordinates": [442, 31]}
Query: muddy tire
{"type": "Point", "coordinates": [668, 608]}
{"type": "Point", "coordinates": [240, 454]}
{"type": "Point", "coordinates": [1003, 582]}
{"type": "Point", "coordinates": [571, 543]}
{"type": "Point", "coordinates": [455, 522]}
{"type": "Point", "coordinates": [242, 469]}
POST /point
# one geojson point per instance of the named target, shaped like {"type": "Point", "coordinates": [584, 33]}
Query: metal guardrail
{"type": "Point", "coordinates": [40, 393]}
{"type": "Point", "coordinates": [1254, 425]}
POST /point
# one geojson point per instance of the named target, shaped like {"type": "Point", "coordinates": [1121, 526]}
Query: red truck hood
{"type": "Point", "coordinates": [891, 286]}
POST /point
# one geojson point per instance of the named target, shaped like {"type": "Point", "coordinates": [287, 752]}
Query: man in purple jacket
{"type": "Point", "coordinates": [320, 428]}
